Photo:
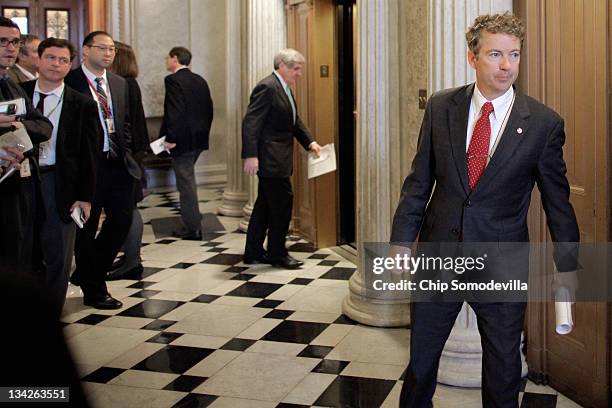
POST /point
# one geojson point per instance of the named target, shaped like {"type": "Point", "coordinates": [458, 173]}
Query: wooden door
{"type": "Point", "coordinates": [565, 64]}
{"type": "Point", "coordinates": [49, 18]}
{"type": "Point", "coordinates": [311, 31]}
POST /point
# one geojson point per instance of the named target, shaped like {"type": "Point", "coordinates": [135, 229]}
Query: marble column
{"type": "Point", "coordinates": [378, 139]}
{"type": "Point", "coordinates": [235, 194]}
{"type": "Point", "coordinates": [267, 34]}
{"type": "Point", "coordinates": [461, 361]}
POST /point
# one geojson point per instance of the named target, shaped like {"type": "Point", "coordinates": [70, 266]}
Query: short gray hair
{"type": "Point", "coordinates": [289, 57]}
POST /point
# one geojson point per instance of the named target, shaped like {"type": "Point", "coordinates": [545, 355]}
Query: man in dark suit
{"type": "Point", "coordinates": [26, 67]}
{"type": "Point", "coordinates": [117, 171]}
{"type": "Point", "coordinates": [483, 146]}
{"type": "Point", "coordinates": [19, 193]}
{"type": "Point", "coordinates": [188, 114]}
{"type": "Point", "coordinates": [67, 161]}
{"type": "Point", "coordinates": [268, 129]}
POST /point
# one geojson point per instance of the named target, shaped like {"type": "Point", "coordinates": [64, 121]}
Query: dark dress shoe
{"type": "Point", "coordinates": [105, 302]}
{"type": "Point", "coordinates": [188, 235]}
{"type": "Point", "coordinates": [288, 262]}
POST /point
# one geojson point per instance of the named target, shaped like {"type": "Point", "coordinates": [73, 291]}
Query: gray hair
{"type": "Point", "coordinates": [289, 57]}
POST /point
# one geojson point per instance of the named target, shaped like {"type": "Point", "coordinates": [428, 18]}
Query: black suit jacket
{"type": "Point", "coordinates": [75, 150]}
{"type": "Point", "coordinates": [529, 152]}
{"type": "Point", "coordinates": [268, 129]}
{"type": "Point", "coordinates": [188, 112]}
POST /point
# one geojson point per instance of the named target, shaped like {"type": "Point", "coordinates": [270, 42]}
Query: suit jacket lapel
{"type": "Point", "coordinates": [510, 139]}
{"type": "Point", "coordinates": [458, 120]}
{"type": "Point", "coordinates": [65, 115]}
{"type": "Point", "coordinates": [284, 97]}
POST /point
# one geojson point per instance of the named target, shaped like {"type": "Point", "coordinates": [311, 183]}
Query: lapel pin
{"type": "Point", "coordinates": [519, 131]}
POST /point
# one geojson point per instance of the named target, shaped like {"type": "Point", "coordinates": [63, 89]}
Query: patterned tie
{"type": "Point", "coordinates": [478, 152]}
{"type": "Point", "coordinates": [41, 102]}
{"type": "Point", "coordinates": [107, 114]}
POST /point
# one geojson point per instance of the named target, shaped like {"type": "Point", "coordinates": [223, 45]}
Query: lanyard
{"type": "Point", "coordinates": [107, 112]}
{"type": "Point", "coordinates": [61, 98]}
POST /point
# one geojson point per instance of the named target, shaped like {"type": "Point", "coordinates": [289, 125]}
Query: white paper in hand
{"type": "Point", "coordinates": [563, 311]}
{"type": "Point", "coordinates": [325, 163]}
{"type": "Point", "coordinates": [19, 104]}
{"type": "Point", "coordinates": [78, 217]}
{"type": "Point", "coordinates": [157, 146]}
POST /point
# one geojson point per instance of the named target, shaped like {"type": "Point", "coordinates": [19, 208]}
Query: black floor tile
{"type": "Point", "coordinates": [243, 277]}
{"type": "Point", "coordinates": [534, 400]}
{"type": "Point", "coordinates": [238, 344]}
{"type": "Point", "coordinates": [141, 285]}
{"type": "Point", "coordinates": [92, 319]}
{"type": "Point", "coordinates": [327, 263]}
{"type": "Point", "coordinates": [209, 236]}
{"type": "Point", "coordinates": [165, 241]}
{"type": "Point", "coordinates": [145, 294]}
{"type": "Point", "coordinates": [343, 319]}
{"type": "Point", "coordinates": [182, 265]}
{"type": "Point", "coordinates": [217, 249]}
{"type": "Point", "coordinates": [205, 298]}
{"type": "Point", "coordinates": [235, 269]}
{"type": "Point", "coordinates": [318, 256]}
{"type": "Point", "coordinates": [224, 259]}
{"type": "Point", "coordinates": [355, 392]}
{"type": "Point", "coordinates": [339, 273]}
{"type": "Point", "coordinates": [330, 367]}
{"type": "Point", "coordinates": [301, 281]}
{"type": "Point", "coordinates": [279, 314]}
{"type": "Point", "coordinates": [302, 247]}
{"type": "Point", "coordinates": [211, 244]}
{"type": "Point", "coordinates": [195, 401]}
{"type": "Point", "coordinates": [173, 359]}
{"type": "Point", "coordinates": [146, 272]}
{"type": "Point", "coordinates": [151, 308]}
{"type": "Point", "coordinates": [255, 289]}
{"type": "Point", "coordinates": [103, 375]}
{"type": "Point", "coordinates": [286, 405]}
{"type": "Point", "coordinates": [268, 303]}
{"type": "Point", "coordinates": [164, 337]}
{"type": "Point", "coordinates": [295, 332]}
{"type": "Point", "coordinates": [159, 325]}
{"type": "Point", "coordinates": [315, 351]}
{"type": "Point", "coordinates": [185, 383]}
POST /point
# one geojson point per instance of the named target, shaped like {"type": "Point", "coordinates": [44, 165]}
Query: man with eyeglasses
{"type": "Point", "coordinates": [19, 195]}
{"type": "Point", "coordinates": [26, 67]}
{"type": "Point", "coordinates": [117, 171]}
{"type": "Point", "coordinates": [67, 161]}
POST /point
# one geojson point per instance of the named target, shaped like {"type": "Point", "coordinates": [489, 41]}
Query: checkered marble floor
{"type": "Point", "coordinates": [201, 329]}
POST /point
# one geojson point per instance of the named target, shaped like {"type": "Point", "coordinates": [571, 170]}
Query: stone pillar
{"type": "Point", "coordinates": [267, 34]}
{"type": "Point", "coordinates": [378, 139]}
{"type": "Point", "coordinates": [461, 361]}
{"type": "Point", "coordinates": [235, 194]}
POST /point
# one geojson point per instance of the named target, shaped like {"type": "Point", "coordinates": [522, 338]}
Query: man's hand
{"type": "Point", "coordinates": [169, 146]}
{"type": "Point", "coordinates": [83, 205]}
{"type": "Point", "coordinates": [13, 155]}
{"type": "Point", "coordinates": [10, 120]}
{"type": "Point", "coordinates": [251, 166]}
{"type": "Point", "coordinates": [567, 280]}
{"type": "Point", "coordinates": [315, 148]}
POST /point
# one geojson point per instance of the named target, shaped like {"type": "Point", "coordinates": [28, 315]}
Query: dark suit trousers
{"type": "Point", "coordinates": [57, 240]}
{"type": "Point", "coordinates": [271, 212]}
{"type": "Point", "coordinates": [500, 326]}
{"type": "Point", "coordinates": [188, 190]}
{"type": "Point", "coordinates": [95, 255]}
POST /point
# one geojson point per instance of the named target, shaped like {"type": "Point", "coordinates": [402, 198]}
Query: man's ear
{"type": "Point", "coordinates": [472, 58]}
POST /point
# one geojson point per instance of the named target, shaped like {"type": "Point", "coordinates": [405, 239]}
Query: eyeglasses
{"type": "Point", "coordinates": [102, 48]}
{"type": "Point", "coordinates": [4, 42]}
{"type": "Point", "coordinates": [61, 60]}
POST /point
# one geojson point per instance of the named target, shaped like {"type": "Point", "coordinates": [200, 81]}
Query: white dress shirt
{"type": "Point", "coordinates": [52, 110]}
{"type": "Point", "coordinates": [27, 73]}
{"type": "Point", "coordinates": [91, 77]}
{"type": "Point", "coordinates": [502, 106]}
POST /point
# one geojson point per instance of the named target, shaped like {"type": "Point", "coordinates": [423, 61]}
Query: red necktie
{"type": "Point", "coordinates": [478, 152]}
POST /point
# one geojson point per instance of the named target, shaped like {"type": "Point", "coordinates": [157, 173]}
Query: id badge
{"type": "Point", "coordinates": [110, 125]}
{"type": "Point", "coordinates": [25, 170]}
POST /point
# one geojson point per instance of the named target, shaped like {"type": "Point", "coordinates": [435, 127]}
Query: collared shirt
{"type": "Point", "coordinates": [27, 73]}
{"type": "Point", "coordinates": [288, 92]}
{"type": "Point", "coordinates": [91, 77]}
{"type": "Point", "coordinates": [498, 118]}
{"type": "Point", "coordinates": [52, 110]}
